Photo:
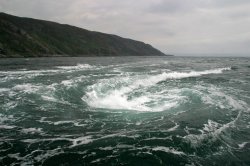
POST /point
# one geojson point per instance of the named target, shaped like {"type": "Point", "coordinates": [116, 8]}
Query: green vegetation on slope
{"type": "Point", "coordinates": [26, 37]}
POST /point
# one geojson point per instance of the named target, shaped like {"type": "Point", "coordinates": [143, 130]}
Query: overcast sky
{"type": "Point", "coordinates": [173, 26]}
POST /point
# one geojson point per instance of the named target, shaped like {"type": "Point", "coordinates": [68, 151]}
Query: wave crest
{"type": "Point", "coordinates": [117, 92]}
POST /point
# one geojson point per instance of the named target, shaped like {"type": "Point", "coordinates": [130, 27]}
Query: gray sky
{"type": "Point", "coordinates": [173, 26]}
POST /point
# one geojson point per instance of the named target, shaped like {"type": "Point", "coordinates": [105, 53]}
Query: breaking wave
{"type": "Point", "coordinates": [116, 93]}
{"type": "Point", "coordinates": [77, 67]}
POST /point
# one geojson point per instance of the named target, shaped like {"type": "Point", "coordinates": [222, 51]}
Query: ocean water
{"type": "Point", "coordinates": [125, 111]}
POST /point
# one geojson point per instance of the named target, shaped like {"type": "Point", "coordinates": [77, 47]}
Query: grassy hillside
{"type": "Point", "coordinates": [26, 37]}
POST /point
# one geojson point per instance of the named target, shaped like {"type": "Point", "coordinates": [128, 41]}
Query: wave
{"type": "Point", "coordinates": [31, 130]}
{"type": "Point", "coordinates": [30, 74]}
{"type": "Point", "coordinates": [75, 141]}
{"type": "Point", "coordinates": [47, 71]}
{"type": "Point", "coordinates": [27, 88]}
{"type": "Point", "coordinates": [179, 75]}
{"type": "Point", "coordinates": [168, 150]}
{"type": "Point", "coordinates": [6, 127]}
{"type": "Point", "coordinates": [25, 72]}
{"type": "Point", "coordinates": [77, 67]}
{"type": "Point", "coordinates": [115, 93]}
{"type": "Point", "coordinates": [211, 131]}
{"type": "Point", "coordinates": [53, 99]}
{"type": "Point", "coordinates": [218, 97]}
{"type": "Point", "coordinates": [4, 90]}
{"type": "Point", "coordinates": [243, 144]}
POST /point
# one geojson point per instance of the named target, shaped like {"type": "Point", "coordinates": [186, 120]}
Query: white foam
{"type": "Point", "coordinates": [6, 127]}
{"type": "Point", "coordinates": [75, 141]}
{"type": "Point", "coordinates": [62, 122]}
{"type": "Point", "coordinates": [116, 100]}
{"type": "Point", "coordinates": [114, 93]}
{"type": "Point", "coordinates": [168, 150]}
{"type": "Point", "coordinates": [213, 95]}
{"type": "Point", "coordinates": [73, 82]}
{"type": "Point", "coordinates": [2, 90]}
{"type": "Point", "coordinates": [179, 75]}
{"type": "Point", "coordinates": [31, 130]}
{"type": "Point", "coordinates": [81, 140]}
{"type": "Point", "coordinates": [77, 67]}
{"type": "Point", "coordinates": [27, 88]}
{"type": "Point", "coordinates": [23, 75]}
{"type": "Point", "coordinates": [6, 118]}
{"type": "Point", "coordinates": [53, 99]}
{"type": "Point", "coordinates": [242, 145]}
{"type": "Point", "coordinates": [68, 83]}
{"type": "Point", "coordinates": [45, 92]}
{"type": "Point", "coordinates": [27, 72]}
{"type": "Point", "coordinates": [75, 123]}
{"type": "Point", "coordinates": [10, 105]}
{"type": "Point", "coordinates": [166, 105]}
{"type": "Point", "coordinates": [49, 98]}
{"type": "Point", "coordinates": [34, 156]}
{"type": "Point", "coordinates": [210, 131]}
{"type": "Point", "coordinates": [173, 128]}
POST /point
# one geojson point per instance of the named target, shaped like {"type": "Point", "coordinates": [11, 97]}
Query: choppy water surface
{"type": "Point", "coordinates": [125, 111]}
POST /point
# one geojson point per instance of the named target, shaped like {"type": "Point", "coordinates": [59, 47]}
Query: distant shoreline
{"type": "Point", "coordinates": [60, 56]}
{"type": "Point", "coordinates": [26, 37]}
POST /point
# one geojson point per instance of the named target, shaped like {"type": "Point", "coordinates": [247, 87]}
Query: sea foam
{"type": "Point", "coordinates": [115, 93]}
{"type": "Point", "coordinates": [77, 67]}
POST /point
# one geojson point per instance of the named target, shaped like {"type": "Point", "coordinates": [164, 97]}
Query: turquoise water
{"type": "Point", "coordinates": [125, 111]}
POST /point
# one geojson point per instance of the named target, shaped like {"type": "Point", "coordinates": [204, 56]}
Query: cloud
{"type": "Point", "coordinates": [174, 26]}
{"type": "Point", "coordinates": [176, 6]}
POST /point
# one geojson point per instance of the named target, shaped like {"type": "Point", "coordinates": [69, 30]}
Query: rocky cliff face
{"type": "Point", "coordinates": [26, 37]}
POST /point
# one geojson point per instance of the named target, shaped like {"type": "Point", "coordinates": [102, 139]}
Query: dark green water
{"type": "Point", "coordinates": [125, 111]}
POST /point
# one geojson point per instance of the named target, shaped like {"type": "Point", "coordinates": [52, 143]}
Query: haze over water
{"type": "Point", "coordinates": [125, 111]}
